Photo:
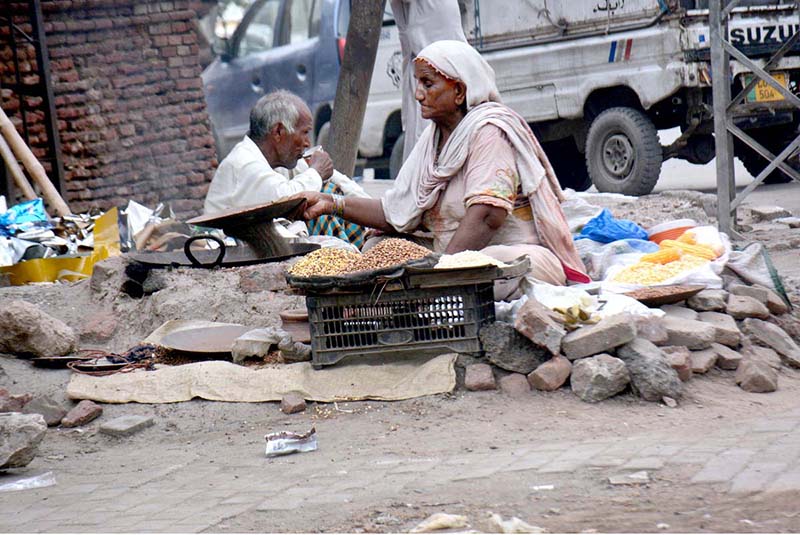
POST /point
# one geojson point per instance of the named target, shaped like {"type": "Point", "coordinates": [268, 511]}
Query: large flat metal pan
{"type": "Point", "coordinates": [216, 339]}
{"type": "Point", "coordinates": [248, 216]}
{"type": "Point", "coordinates": [234, 256]}
{"type": "Point", "coordinates": [665, 295]}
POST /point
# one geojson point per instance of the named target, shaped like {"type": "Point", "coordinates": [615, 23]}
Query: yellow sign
{"type": "Point", "coordinates": [70, 268]}
{"type": "Point", "coordinates": [763, 92]}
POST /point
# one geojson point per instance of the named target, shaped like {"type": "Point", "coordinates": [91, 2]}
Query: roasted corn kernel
{"type": "Point", "coordinates": [324, 262]}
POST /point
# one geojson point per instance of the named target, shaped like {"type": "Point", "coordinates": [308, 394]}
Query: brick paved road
{"type": "Point", "coordinates": [184, 491]}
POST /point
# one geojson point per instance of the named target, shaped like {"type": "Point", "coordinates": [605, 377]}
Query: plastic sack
{"type": "Point", "coordinates": [600, 257]}
{"type": "Point", "coordinates": [70, 268]}
{"type": "Point", "coordinates": [753, 264]}
{"type": "Point", "coordinates": [708, 274]}
{"type": "Point", "coordinates": [578, 211]}
{"type": "Point", "coordinates": [23, 217]}
{"type": "Point", "coordinates": [286, 442]}
{"type": "Point", "coordinates": [47, 479]}
{"type": "Point", "coordinates": [605, 228]}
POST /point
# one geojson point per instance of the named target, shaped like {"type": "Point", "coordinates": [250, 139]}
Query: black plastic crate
{"type": "Point", "coordinates": [420, 320]}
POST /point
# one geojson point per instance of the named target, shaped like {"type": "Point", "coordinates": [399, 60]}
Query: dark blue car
{"type": "Point", "coordinates": [279, 44]}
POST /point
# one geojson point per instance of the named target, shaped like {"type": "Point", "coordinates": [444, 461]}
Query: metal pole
{"type": "Point", "coordinates": [721, 91]}
{"type": "Point", "coordinates": [350, 104]}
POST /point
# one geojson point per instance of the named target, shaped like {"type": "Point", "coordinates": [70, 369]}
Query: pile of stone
{"type": "Point", "coordinates": [740, 329]}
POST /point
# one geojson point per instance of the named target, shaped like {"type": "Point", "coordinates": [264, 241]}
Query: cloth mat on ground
{"type": "Point", "coordinates": [385, 379]}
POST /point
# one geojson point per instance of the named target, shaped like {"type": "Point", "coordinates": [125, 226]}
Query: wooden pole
{"type": "Point", "coordinates": [363, 33]}
{"type": "Point", "coordinates": [23, 152]}
{"type": "Point", "coordinates": [16, 171]}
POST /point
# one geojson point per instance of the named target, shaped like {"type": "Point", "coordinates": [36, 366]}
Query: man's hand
{"type": "Point", "coordinates": [316, 204]}
{"type": "Point", "coordinates": [321, 161]}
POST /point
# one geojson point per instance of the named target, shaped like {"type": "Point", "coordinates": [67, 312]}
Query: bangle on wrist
{"type": "Point", "coordinates": [338, 205]}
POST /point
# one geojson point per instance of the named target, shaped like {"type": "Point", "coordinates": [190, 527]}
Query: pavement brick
{"type": "Point", "coordinates": [280, 503]}
{"type": "Point", "coordinates": [560, 466]}
{"type": "Point", "coordinates": [723, 467]}
{"type": "Point", "coordinates": [776, 424]}
{"type": "Point", "coordinates": [605, 462]}
{"type": "Point", "coordinates": [645, 463]}
{"type": "Point", "coordinates": [789, 481]}
{"type": "Point", "coordinates": [531, 461]}
{"type": "Point", "coordinates": [756, 477]}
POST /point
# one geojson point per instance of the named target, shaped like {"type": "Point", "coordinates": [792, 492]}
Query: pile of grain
{"type": "Point", "coordinates": [327, 262]}
{"type": "Point", "coordinates": [324, 262]}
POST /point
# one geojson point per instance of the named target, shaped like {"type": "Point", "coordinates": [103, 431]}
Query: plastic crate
{"type": "Point", "coordinates": [420, 320]}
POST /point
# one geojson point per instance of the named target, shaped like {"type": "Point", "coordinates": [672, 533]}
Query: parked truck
{"type": "Point", "coordinates": [597, 80]}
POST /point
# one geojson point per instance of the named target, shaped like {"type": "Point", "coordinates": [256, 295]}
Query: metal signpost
{"type": "Point", "coordinates": [722, 52]}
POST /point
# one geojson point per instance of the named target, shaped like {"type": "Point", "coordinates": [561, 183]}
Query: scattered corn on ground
{"type": "Point", "coordinates": [647, 273]}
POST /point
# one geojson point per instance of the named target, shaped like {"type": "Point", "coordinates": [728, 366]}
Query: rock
{"type": "Point", "coordinates": [20, 436]}
{"type": "Point", "coordinates": [12, 403]}
{"type": "Point", "coordinates": [690, 333]}
{"type": "Point", "coordinates": [100, 327]}
{"type": "Point", "coordinates": [651, 375]}
{"type": "Point", "coordinates": [725, 330]}
{"type": "Point", "coordinates": [83, 413]}
{"type": "Point", "coordinates": [759, 293]}
{"type": "Point", "coordinates": [462, 362]}
{"type": "Point", "coordinates": [791, 222]}
{"type": "Point", "coordinates": [50, 409]}
{"type": "Point", "coordinates": [758, 377]}
{"type": "Point", "coordinates": [676, 311]}
{"type": "Point", "coordinates": [515, 385]}
{"type": "Point", "coordinates": [680, 358]}
{"type": "Point", "coordinates": [125, 426]}
{"type": "Point", "coordinates": [155, 281]}
{"type": "Point", "coordinates": [704, 360]}
{"type": "Point", "coordinates": [708, 300]}
{"type": "Point", "coordinates": [651, 328]}
{"type": "Point", "coordinates": [267, 277]}
{"type": "Point", "coordinates": [597, 378]}
{"type": "Point", "coordinates": [636, 478]}
{"type": "Point", "coordinates": [292, 351]}
{"type": "Point", "coordinates": [742, 306]}
{"type": "Point", "coordinates": [509, 350]}
{"type": "Point", "coordinates": [768, 213]}
{"type": "Point", "coordinates": [727, 358]}
{"type": "Point", "coordinates": [540, 325]}
{"type": "Point", "coordinates": [551, 375]}
{"type": "Point", "coordinates": [609, 333]}
{"type": "Point", "coordinates": [761, 354]}
{"type": "Point", "coordinates": [775, 304]}
{"type": "Point", "coordinates": [770, 335]}
{"type": "Point", "coordinates": [292, 402]}
{"type": "Point", "coordinates": [108, 276]}
{"type": "Point", "coordinates": [788, 323]}
{"type": "Point", "coordinates": [479, 377]}
{"type": "Point", "coordinates": [26, 330]}
{"type": "Point", "coordinates": [669, 402]}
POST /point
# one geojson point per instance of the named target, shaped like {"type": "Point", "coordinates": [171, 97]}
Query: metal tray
{"type": "Point", "coordinates": [665, 295]}
{"type": "Point", "coordinates": [233, 257]}
{"type": "Point", "coordinates": [256, 214]}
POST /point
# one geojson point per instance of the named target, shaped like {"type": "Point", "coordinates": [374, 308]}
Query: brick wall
{"type": "Point", "coordinates": [129, 103]}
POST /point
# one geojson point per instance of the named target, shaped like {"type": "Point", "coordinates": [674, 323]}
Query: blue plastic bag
{"type": "Point", "coordinates": [604, 228]}
{"type": "Point", "coordinates": [23, 217]}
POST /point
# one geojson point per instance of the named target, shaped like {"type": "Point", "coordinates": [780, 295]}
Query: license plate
{"type": "Point", "coordinates": [763, 92]}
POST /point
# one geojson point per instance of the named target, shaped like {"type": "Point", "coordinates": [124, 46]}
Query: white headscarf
{"type": "Point", "coordinates": [423, 177]}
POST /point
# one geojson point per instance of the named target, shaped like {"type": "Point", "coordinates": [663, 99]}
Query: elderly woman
{"type": "Point", "coordinates": [477, 177]}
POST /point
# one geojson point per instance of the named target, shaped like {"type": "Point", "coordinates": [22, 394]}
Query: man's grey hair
{"type": "Point", "coordinates": [277, 107]}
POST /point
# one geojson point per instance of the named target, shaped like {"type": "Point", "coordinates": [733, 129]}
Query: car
{"type": "Point", "coordinates": [296, 45]}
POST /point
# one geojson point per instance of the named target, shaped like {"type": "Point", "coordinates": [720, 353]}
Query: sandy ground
{"type": "Point", "coordinates": [467, 423]}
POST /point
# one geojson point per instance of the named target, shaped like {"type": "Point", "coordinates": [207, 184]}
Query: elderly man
{"type": "Point", "coordinates": [268, 165]}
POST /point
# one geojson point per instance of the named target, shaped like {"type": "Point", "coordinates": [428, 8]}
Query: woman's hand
{"type": "Point", "coordinates": [316, 204]}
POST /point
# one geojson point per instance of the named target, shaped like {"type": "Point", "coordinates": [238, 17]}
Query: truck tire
{"type": "Point", "coordinates": [623, 153]}
{"type": "Point", "coordinates": [396, 158]}
{"type": "Point", "coordinates": [568, 163]}
{"type": "Point", "coordinates": [773, 140]}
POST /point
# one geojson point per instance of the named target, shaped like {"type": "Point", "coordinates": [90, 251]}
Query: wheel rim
{"type": "Point", "coordinates": [618, 155]}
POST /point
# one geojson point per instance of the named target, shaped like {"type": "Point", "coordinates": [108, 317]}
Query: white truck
{"type": "Point", "coordinates": [597, 80]}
